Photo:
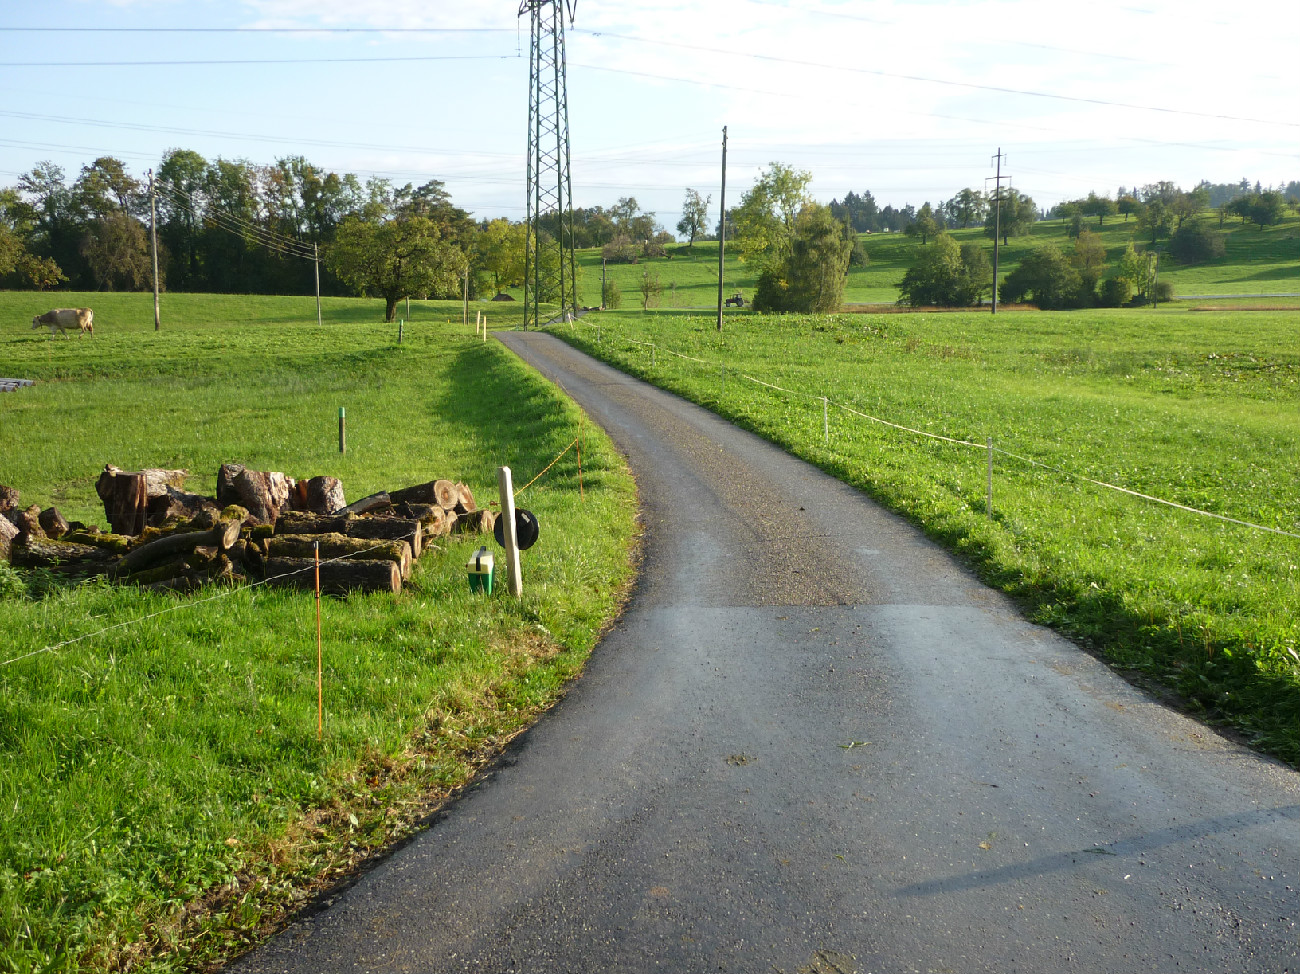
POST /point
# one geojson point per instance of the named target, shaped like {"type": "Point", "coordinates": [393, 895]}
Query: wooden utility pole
{"type": "Point", "coordinates": [315, 256]}
{"type": "Point", "coordinates": [997, 225]}
{"type": "Point", "coordinates": [153, 238]}
{"type": "Point", "coordinates": [722, 224]}
{"type": "Point", "coordinates": [466, 294]}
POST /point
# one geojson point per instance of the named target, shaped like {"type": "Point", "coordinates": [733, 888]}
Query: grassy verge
{"type": "Point", "coordinates": [1198, 408]}
{"type": "Point", "coordinates": [166, 799]}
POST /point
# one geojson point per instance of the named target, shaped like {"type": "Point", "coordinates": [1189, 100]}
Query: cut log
{"type": "Point", "coordinates": [325, 495]}
{"type": "Point", "coordinates": [8, 499]}
{"type": "Point", "coordinates": [254, 490]}
{"type": "Point", "coordinates": [8, 532]}
{"type": "Point", "coordinates": [430, 515]}
{"type": "Point", "coordinates": [299, 522]}
{"type": "Point", "coordinates": [180, 575]}
{"type": "Point", "coordinates": [340, 546]}
{"type": "Point", "coordinates": [464, 500]}
{"type": "Point", "coordinates": [375, 502]}
{"type": "Point", "coordinates": [126, 495]}
{"type": "Point", "coordinates": [177, 504]}
{"type": "Point", "coordinates": [54, 524]}
{"type": "Point", "coordinates": [225, 534]}
{"type": "Point", "coordinates": [28, 523]}
{"type": "Point", "coordinates": [126, 499]}
{"type": "Point", "coordinates": [336, 578]}
{"type": "Point", "coordinates": [118, 544]}
{"type": "Point", "coordinates": [156, 481]}
{"type": "Point", "coordinates": [62, 557]}
{"type": "Point", "coordinates": [415, 494]}
{"type": "Point", "coordinates": [389, 528]}
{"type": "Point", "coordinates": [446, 494]}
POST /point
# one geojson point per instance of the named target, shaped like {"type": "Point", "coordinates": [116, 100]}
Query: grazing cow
{"type": "Point", "coordinates": [65, 319]}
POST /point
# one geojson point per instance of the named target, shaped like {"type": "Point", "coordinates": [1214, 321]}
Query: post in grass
{"type": "Point", "coordinates": [320, 675]}
{"type": "Point", "coordinates": [343, 431]}
{"type": "Point", "coordinates": [990, 491]}
{"type": "Point", "coordinates": [506, 486]}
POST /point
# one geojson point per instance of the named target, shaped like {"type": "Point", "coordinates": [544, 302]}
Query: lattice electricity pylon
{"type": "Point", "coordinates": [550, 268]}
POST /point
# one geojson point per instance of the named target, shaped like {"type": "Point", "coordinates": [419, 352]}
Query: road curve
{"type": "Point", "coordinates": [815, 743]}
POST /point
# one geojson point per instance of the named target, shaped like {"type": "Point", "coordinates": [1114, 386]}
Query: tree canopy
{"type": "Point", "coordinates": [404, 256]}
{"type": "Point", "coordinates": [810, 278]}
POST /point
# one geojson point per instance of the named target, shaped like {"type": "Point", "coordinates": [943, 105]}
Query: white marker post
{"type": "Point", "coordinates": [514, 581]}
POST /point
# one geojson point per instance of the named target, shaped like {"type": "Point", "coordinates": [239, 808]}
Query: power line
{"type": "Point", "coordinates": [998, 89]}
{"type": "Point", "coordinates": [65, 64]}
{"type": "Point", "coordinates": [260, 30]}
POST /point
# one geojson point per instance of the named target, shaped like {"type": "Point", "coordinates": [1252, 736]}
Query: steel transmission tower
{"type": "Point", "coordinates": [550, 269]}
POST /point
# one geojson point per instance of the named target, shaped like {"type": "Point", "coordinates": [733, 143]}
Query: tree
{"type": "Point", "coordinates": [947, 276]}
{"type": "Point", "coordinates": [1089, 259]}
{"type": "Point", "coordinates": [396, 258]}
{"type": "Point", "coordinates": [1044, 277]}
{"type": "Point", "coordinates": [1155, 219]}
{"type": "Point", "coordinates": [1127, 204]}
{"type": "Point", "coordinates": [1267, 208]}
{"type": "Point", "coordinates": [650, 289]}
{"type": "Point", "coordinates": [967, 207]}
{"type": "Point", "coordinates": [499, 252]}
{"type": "Point", "coordinates": [1018, 214]}
{"type": "Point", "coordinates": [1133, 270]}
{"type": "Point", "coordinates": [1195, 242]}
{"type": "Point", "coordinates": [934, 279]}
{"type": "Point", "coordinates": [925, 225]}
{"type": "Point", "coordinates": [104, 187]}
{"type": "Point", "coordinates": [1098, 206]}
{"type": "Point", "coordinates": [695, 216]}
{"type": "Point", "coordinates": [811, 277]}
{"type": "Point", "coordinates": [117, 251]}
{"type": "Point", "coordinates": [1187, 205]}
{"type": "Point", "coordinates": [766, 216]}
{"type": "Point", "coordinates": [977, 274]}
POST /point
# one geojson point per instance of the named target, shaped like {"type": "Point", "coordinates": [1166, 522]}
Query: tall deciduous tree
{"type": "Point", "coordinates": [1098, 206]}
{"type": "Point", "coordinates": [767, 213]}
{"type": "Point", "coordinates": [499, 252]}
{"type": "Point", "coordinates": [1018, 214]}
{"type": "Point", "coordinates": [967, 207]}
{"type": "Point", "coordinates": [695, 216]}
{"type": "Point", "coordinates": [811, 276]}
{"type": "Point", "coordinates": [394, 259]}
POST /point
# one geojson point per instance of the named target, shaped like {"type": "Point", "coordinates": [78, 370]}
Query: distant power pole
{"type": "Point", "coordinates": [550, 267]}
{"type": "Point", "coordinates": [722, 224]}
{"type": "Point", "coordinates": [997, 225]}
{"type": "Point", "coordinates": [153, 239]}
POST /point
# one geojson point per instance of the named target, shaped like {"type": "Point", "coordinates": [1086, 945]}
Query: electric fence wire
{"type": "Point", "coordinates": [193, 604]}
{"type": "Point", "coordinates": [979, 446]}
{"type": "Point", "coordinates": [254, 585]}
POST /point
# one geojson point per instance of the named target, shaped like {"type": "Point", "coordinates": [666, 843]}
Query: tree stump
{"type": "Point", "coordinates": [126, 499]}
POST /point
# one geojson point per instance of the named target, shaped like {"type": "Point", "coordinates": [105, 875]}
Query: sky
{"type": "Point", "coordinates": [908, 100]}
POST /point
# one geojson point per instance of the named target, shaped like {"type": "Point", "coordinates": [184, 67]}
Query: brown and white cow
{"type": "Point", "coordinates": [66, 319]}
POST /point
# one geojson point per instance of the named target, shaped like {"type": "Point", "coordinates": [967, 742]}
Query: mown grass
{"type": "Point", "coordinates": [1198, 408]}
{"type": "Point", "coordinates": [166, 799]}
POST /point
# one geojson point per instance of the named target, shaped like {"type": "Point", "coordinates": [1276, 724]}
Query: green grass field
{"type": "Point", "coordinates": [1263, 261]}
{"type": "Point", "coordinates": [1197, 408]}
{"type": "Point", "coordinates": [165, 796]}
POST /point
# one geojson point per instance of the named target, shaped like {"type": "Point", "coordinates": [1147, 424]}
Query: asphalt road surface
{"type": "Point", "coordinates": [814, 743]}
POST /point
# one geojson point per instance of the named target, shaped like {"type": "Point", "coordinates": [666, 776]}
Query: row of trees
{"type": "Point", "coordinates": [946, 275]}
{"type": "Point", "coordinates": [232, 226]}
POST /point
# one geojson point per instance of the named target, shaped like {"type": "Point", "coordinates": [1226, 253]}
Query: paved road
{"type": "Point", "coordinates": [814, 743]}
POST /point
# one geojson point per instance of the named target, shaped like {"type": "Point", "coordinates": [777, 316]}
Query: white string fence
{"type": "Point", "coordinates": [987, 446]}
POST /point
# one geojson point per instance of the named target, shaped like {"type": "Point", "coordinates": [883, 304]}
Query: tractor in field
{"type": "Point", "coordinates": [735, 301]}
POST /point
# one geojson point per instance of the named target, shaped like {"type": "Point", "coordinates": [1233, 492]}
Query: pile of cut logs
{"type": "Point", "coordinates": [260, 526]}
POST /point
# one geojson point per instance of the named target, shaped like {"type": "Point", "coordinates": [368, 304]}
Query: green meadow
{"type": "Point", "coordinates": [166, 796]}
{"type": "Point", "coordinates": [1198, 408]}
{"type": "Point", "coordinates": [1257, 261]}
